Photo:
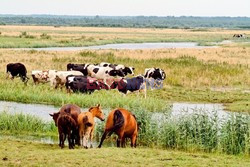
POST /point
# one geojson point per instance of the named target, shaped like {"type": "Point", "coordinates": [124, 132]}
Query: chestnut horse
{"type": "Point", "coordinates": [124, 124]}
{"type": "Point", "coordinates": [66, 128]}
{"type": "Point", "coordinates": [86, 124]}
{"type": "Point", "coordinates": [74, 111]}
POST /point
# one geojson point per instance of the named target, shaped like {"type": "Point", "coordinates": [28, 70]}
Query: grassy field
{"type": "Point", "coordinates": [23, 153]}
{"type": "Point", "coordinates": [49, 36]}
{"type": "Point", "coordinates": [216, 75]}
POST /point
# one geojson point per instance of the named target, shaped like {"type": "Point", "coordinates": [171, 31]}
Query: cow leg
{"type": "Point", "coordinates": [103, 138]}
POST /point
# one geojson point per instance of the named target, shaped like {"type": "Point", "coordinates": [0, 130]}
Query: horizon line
{"type": "Point", "coordinates": [72, 15]}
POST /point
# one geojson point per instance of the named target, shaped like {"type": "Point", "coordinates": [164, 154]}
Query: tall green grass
{"type": "Point", "coordinates": [195, 132]}
{"type": "Point", "coordinates": [22, 123]}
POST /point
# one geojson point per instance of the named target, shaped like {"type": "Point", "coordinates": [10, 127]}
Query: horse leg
{"type": "Point", "coordinates": [91, 138]}
{"type": "Point", "coordinates": [119, 140]}
{"type": "Point", "coordinates": [123, 142]}
{"type": "Point", "coordinates": [87, 134]}
{"type": "Point", "coordinates": [133, 141]}
{"type": "Point", "coordinates": [103, 138]}
{"type": "Point", "coordinates": [70, 140]}
{"type": "Point", "coordinates": [60, 139]}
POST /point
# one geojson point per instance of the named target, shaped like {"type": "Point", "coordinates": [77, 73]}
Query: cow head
{"type": "Point", "coordinates": [128, 70]}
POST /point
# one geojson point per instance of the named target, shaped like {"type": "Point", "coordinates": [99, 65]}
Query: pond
{"type": "Point", "coordinates": [129, 46]}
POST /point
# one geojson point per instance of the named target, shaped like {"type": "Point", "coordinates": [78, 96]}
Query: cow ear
{"type": "Point", "coordinates": [51, 114]}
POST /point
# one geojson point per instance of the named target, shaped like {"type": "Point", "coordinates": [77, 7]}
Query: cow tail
{"type": "Point", "coordinates": [118, 120]}
{"type": "Point", "coordinates": [86, 121]}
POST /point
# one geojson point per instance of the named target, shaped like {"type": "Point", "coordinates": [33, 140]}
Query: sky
{"type": "Point", "coordinates": [231, 8]}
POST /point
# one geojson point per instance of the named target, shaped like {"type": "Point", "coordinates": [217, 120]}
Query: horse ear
{"type": "Point", "coordinates": [98, 105]}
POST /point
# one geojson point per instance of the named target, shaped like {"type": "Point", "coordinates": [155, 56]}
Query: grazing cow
{"type": "Point", "coordinates": [78, 67]}
{"type": "Point", "coordinates": [66, 128]}
{"type": "Point", "coordinates": [239, 36]}
{"type": "Point", "coordinates": [155, 73]}
{"type": "Point", "coordinates": [38, 76]}
{"type": "Point", "coordinates": [74, 111]}
{"type": "Point", "coordinates": [87, 124]}
{"type": "Point", "coordinates": [125, 70]}
{"type": "Point", "coordinates": [124, 124]}
{"type": "Point", "coordinates": [17, 70]}
{"type": "Point", "coordinates": [84, 84]}
{"type": "Point", "coordinates": [58, 78]}
{"type": "Point", "coordinates": [129, 84]}
{"type": "Point", "coordinates": [105, 64]}
{"type": "Point", "coordinates": [104, 73]}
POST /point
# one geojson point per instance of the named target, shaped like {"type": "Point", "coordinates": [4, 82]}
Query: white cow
{"type": "Point", "coordinates": [58, 78]}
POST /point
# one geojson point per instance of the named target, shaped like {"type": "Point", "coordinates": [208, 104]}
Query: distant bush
{"type": "Point", "coordinates": [45, 36]}
{"type": "Point", "coordinates": [26, 35]}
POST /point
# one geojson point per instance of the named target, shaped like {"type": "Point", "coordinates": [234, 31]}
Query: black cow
{"type": "Point", "coordinates": [17, 70]}
{"type": "Point", "coordinates": [129, 84]}
{"type": "Point", "coordinates": [155, 73]}
{"type": "Point", "coordinates": [78, 67]}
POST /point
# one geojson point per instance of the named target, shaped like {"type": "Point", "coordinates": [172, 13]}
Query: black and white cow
{"type": "Point", "coordinates": [84, 84]}
{"type": "Point", "coordinates": [17, 70]}
{"type": "Point", "coordinates": [155, 73]}
{"type": "Point", "coordinates": [154, 78]}
{"type": "Point", "coordinates": [78, 67]}
{"type": "Point", "coordinates": [128, 84]}
{"type": "Point", "coordinates": [104, 73]}
{"type": "Point", "coordinates": [125, 70]}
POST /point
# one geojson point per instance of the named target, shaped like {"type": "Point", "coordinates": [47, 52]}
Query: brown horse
{"type": "Point", "coordinates": [66, 128]}
{"type": "Point", "coordinates": [86, 124]}
{"type": "Point", "coordinates": [74, 111]}
{"type": "Point", "coordinates": [124, 124]}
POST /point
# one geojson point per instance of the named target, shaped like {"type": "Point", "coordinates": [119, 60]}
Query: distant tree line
{"type": "Point", "coordinates": [127, 21]}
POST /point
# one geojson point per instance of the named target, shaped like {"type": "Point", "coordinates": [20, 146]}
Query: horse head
{"type": "Point", "coordinates": [97, 112]}
{"type": "Point", "coordinates": [55, 116]}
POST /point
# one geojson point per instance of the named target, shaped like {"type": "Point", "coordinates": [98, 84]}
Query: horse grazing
{"type": "Point", "coordinates": [66, 128]}
{"type": "Point", "coordinates": [124, 124]}
{"type": "Point", "coordinates": [73, 111]}
{"type": "Point", "coordinates": [87, 124]}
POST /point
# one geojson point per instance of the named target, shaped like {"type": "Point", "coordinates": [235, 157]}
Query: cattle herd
{"type": "Point", "coordinates": [86, 78]}
{"type": "Point", "coordinates": [78, 126]}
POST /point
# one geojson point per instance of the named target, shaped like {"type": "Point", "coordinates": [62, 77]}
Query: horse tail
{"type": "Point", "coordinates": [86, 122]}
{"type": "Point", "coordinates": [118, 120]}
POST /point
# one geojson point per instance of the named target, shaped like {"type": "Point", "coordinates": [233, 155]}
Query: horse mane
{"type": "Point", "coordinates": [118, 120]}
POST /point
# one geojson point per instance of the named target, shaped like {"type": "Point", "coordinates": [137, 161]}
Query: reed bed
{"type": "Point", "coordinates": [199, 131]}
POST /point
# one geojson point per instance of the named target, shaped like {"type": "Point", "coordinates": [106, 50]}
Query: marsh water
{"type": "Point", "coordinates": [177, 110]}
{"type": "Point", "coordinates": [129, 46]}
